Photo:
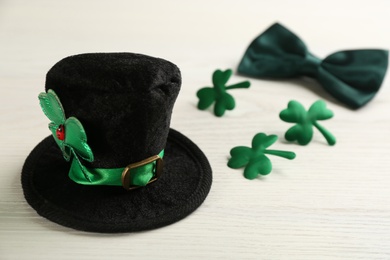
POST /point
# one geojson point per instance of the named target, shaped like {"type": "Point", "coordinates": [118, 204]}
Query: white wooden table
{"type": "Point", "coordinates": [328, 203]}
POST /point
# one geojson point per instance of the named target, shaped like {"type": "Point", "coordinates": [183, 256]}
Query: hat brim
{"type": "Point", "coordinates": [183, 186]}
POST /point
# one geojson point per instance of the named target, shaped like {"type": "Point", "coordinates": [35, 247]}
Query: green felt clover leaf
{"type": "Point", "coordinates": [223, 100]}
{"type": "Point", "coordinates": [68, 133]}
{"type": "Point", "coordinates": [254, 159]}
{"type": "Point", "coordinates": [302, 131]}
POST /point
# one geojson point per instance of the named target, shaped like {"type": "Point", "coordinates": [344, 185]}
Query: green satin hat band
{"type": "Point", "coordinates": [139, 176]}
{"type": "Point", "coordinates": [353, 77]}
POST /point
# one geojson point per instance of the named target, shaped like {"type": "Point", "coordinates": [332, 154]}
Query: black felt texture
{"type": "Point", "coordinates": [182, 188]}
{"type": "Point", "coordinates": [124, 102]}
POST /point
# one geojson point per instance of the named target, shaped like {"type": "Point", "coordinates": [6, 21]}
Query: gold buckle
{"type": "Point", "coordinates": [127, 171]}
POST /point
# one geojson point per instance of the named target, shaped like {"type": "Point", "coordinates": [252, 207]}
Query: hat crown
{"type": "Point", "coordinates": [123, 100]}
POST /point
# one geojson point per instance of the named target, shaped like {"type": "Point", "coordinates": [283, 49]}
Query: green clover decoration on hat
{"type": "Point", "coordinates": [68, 133]}
{"type": "Point", "coordinates": [223, 100]}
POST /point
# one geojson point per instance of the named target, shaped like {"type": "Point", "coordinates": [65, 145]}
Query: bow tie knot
{"type": "Point", "coordinates": [353, 77]}
{"type": "Point", "coordinates": [310, 66]}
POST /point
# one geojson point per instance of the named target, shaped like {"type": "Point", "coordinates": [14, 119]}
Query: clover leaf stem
{"type": "Point", "coordinates": [284, 154]}
{"type": "Point", "coordinates": [80, 165]}
{"type": "Point", "coordinates": [244, 84]}
{"type": "Point", "coordinates": [328, 135]}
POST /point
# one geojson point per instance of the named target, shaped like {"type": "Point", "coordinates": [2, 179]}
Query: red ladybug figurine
{"type": "Point", "coordinates": [60, 132]}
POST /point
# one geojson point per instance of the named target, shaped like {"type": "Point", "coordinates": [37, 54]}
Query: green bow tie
{"type": "Point", "coordinates": [353, 77]}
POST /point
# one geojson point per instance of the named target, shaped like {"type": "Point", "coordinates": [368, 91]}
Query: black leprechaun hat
{"type": "Point", "coordinates": [112, 163]}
